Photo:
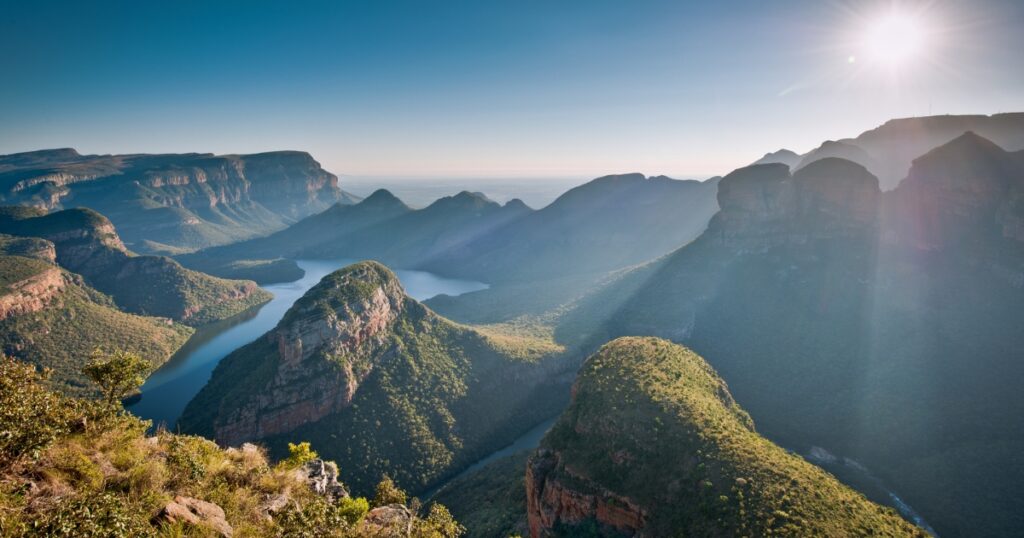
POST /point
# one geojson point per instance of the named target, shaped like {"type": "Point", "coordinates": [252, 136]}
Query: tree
{"type": "Point", "coordinates": [299, 454]}
{"type": "Point", "coordinates": [388, 493]}
{"type": "Point", "coordinates": [117, 374]}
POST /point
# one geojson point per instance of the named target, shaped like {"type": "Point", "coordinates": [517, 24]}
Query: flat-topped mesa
{"type": "Point", "coordinates": [764, 205]}
{"type": "Point", "coordinates": [326, 345]}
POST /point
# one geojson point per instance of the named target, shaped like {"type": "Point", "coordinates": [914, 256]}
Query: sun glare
{"type": "Point", "coordinates": [894, 39]}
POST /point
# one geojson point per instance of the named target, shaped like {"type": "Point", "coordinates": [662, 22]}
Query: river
{"type": "Point", "coordinates": [168, 390]}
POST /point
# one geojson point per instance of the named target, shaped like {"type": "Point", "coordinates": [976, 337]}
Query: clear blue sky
{"type": "Point", "coordinates": [487, 89]}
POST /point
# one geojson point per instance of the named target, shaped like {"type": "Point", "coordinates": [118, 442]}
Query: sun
{"type": "Point", "coordinates": [894, 39]}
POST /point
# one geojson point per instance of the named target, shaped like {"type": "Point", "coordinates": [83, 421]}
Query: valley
{"type": "Point", "coordinates": [826, 309]}
{"type": "Point", "coordinates": [166, 392]}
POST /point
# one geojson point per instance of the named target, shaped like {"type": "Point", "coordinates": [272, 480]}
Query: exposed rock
{"type": "Point", "coordinates": [29, 247]}
{"type": "Point", "coordinates": [764, 206]}
{"type": "Point", "coordinates": [550, 502]}
{"type": "Point", "coordinates": [31, 294]}
{"type": "Point", "coordinates": [392, 518]}
{"type": "Point", "coordinates": [325, 346]}
{"type": "Point", "coordinates": [322, 477]}
{"type": "Point", "coordinates": [189, 511]}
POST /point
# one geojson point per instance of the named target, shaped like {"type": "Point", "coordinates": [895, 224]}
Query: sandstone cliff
{"type": "Point", "coordinates": [169, 203]}
{"type": "Point", "coordinates": [654, 445]}
{"type": "Point", "coordinates": [85, 242]}
{"type": "Point", "coordinates": [381, 384]}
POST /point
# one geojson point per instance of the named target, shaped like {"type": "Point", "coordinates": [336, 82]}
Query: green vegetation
{"type": "Point", "coordinates": [644, 400]}
{"type": "Point", "coordinates": [76, 322]}
{"type": "Point", "coordinates": [117, 374]}
{"type": "Point", "coordinates": [86, 243]}
{"type": "Point", "coordinates": [71, 468]}
{"type": "Point", "coordinates": [430, 396]}
{"type": "Point", "coordinates": [491, 501]}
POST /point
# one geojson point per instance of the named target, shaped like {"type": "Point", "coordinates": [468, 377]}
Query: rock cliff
{"type": "Point", "coordinates": [325, 347]}
{"type": "Point", "coordinates": [763, 206]}
{"type": "Point", "coordinates": [380, 384]}
{"type": "Point", "coordinates": [654, 445]}
{"type": "Point", "coordinates": [86, 243]}
{"type": "Point", "coordinates": [31, 294]}
{"type": "Point", "coordinates": [174, 202]}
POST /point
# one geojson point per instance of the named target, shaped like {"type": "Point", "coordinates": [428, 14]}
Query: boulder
{"type": "Point", "coordinates": [194, 512]}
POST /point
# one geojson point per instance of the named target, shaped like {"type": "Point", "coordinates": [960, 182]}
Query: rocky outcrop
{"type": "Point", "coordinates": [31, 294]}
{"type": "Point", "coordinates": [325, 346]}
{"type": "Point", "coordinates": [966, 191]}
{"type": "Point", "coordinates": [322, 477]}
{"type": "Point", "coordinates": [550, 502]}
{"type": "Point", "coordinates": [182, 200]}
{"type": "Point", "coordinates": [191, 512]}
{"type": "Point", "coordinates": [86, 243]}
{"type": "Point", "coordinates": [763, 206]}
{"type": "Point", "coordinates": [28, 247]}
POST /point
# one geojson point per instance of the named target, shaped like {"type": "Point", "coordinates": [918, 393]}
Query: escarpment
{"type": "Point", "coordinates": [325, 348]}
{"type": "Point", "coordinates": [31, 294]}
{"type": "Point", "coordinates": [381, 384]}
{"type": "Point", "coordinates": [654, 445]}
{"type": "Point", "coordinates": [86, 243]}
{"type": "Point", "coordinates": [175, 202]}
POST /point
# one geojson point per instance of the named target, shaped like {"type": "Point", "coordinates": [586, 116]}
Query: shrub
{"type": "Point", "coordinates": [388, 493]}
{"type": "Point", "coordinates": [298, 454]}
{"type": "Point", "coordinates": [103, 515]}
{"type": "Point", "coordinates": [31, 417]}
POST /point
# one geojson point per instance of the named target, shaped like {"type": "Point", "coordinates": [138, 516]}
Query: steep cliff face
{"type": "Point", "coordinates": [86, 243]}
{"type": "Point", "coordinates": [798, 295]}
{"type": "Point", "coordinates": [764, 206]}
{"type": "Point", "coordinates": [172, 202]}
{"type": "Point", "coordinates": [325, 349]}
{"type": "Point", "coordinates": [968, 190]}
{"type": "Point", "coordinates": [381, 384]}
{"type": "Point", "coordinates": [53, 319]}
{"type": "Point", "coordinates": [29, 247]}
{"type": "Point", "coordinates": [27, 293]}
{"type": "Point", "coordinates": [654, 445]}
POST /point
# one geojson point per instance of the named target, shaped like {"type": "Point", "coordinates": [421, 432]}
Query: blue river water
{"type": "Point", "coordinates": [168, 390]}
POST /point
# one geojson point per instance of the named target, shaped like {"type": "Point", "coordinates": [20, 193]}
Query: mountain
{"type": "Point", "coordinates": [381, 384]}
{"type": "Point", "coordinates": [782, 156]}
{"type": "Point", "coordinates": [839, 150]}
{"type": "Point", "coordinates": [608, 223]}
{"type": "Point", "coordinates": [653, 444]}
{"type": "Point", "coordinates": [602, 225]}
{"type": "Point", "coordinates": [71, 468]}
{"type": "Point", "coordinates": [175, 202]}
{"type": "Point", "coordinates": [876, 326]}
{"type": "Point", "coordinates": [490, 501]}
{"type": "Point", "coordinates": [87, 243]}
{"type": "Point", "coordinates": [51, 318]}
{"type": "Point", "coordinates": [888, 150]}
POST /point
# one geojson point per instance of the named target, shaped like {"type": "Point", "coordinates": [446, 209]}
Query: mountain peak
{"type": "Point", "coordinates": [364, 288]}
{"type": "Point", "coordinates": [381, 197]}
{"type": "Point", "coordinates": [782, 156]}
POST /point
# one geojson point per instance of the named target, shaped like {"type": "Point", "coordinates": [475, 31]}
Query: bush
{"type": "Point", "coordinates": [103, 515]}
{"type": "Point", "coordinates": [299, 454]}
{"type": "Point", "coordinates": [388, 493]}
{"type": "Point", "coordinates": [31, 417]}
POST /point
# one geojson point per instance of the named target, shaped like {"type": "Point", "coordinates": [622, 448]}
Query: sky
{"type": "Point", "coordinates": [509, 89]}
